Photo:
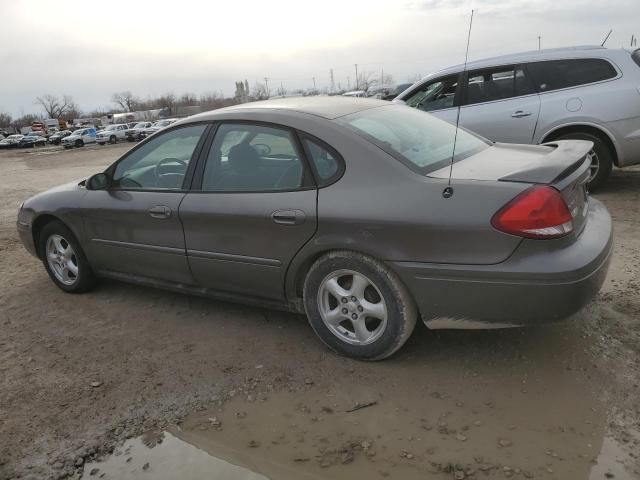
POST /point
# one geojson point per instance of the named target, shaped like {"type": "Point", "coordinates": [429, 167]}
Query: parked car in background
{"type": "Point", "coordinates": [580, 93]}
{"type": "Point", "coordinates": [355, 93]}
{"type": "Point", "coordinates": [262, 203]}
{"type": "Point", "coordinates": [79, 138]}
{"type": "Point", "coordinates": [33, 139]}
{"type": "Point", "coordinates": [136, 132]}
{"type": "Point", "coordinates": [57, 137]}
{"type": "Point", "coordinates": [159, 125]}
{"type": "Point", "coordinates": [112, 133]}
{"type": "Point", "coordinates": [11, 141]}
{"type": "Point", "coordinates": [395, 91]}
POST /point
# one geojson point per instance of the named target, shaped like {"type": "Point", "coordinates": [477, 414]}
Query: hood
{"type": "Point", "coordinates": [60, 189]}
{"type": "Point", "coordinates": [543, 164]}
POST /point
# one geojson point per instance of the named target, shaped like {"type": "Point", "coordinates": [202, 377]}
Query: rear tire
{"type": "Point", "coordinates": [380, 312]}
{"type": "Point", "coordinates": [64, 260]}
{"type": "Point", "coordinates": [113, 139]}
{"type": "Point", "coordinates": [602, 162]}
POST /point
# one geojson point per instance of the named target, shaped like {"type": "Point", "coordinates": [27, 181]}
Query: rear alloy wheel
{"type": "Point", "coordinates": [64, 259]}
{"type": "Point", "coordinates": [601, 158]}
{"type": "Point", "coordinates": [358, 306]}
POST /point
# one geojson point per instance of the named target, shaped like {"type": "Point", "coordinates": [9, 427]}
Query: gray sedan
{"type": "Point", "coordinates": [357, 212]}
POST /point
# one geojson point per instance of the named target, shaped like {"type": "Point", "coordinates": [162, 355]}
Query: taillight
{"type": "Point", "coordinates": [539, 212]}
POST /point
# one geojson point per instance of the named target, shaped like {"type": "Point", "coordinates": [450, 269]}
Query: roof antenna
{"type": "Point", "coordinates": [606, 38]}
{"type": "Point", "coordinates": [448, 191]}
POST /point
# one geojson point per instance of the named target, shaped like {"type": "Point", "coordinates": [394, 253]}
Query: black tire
{"type": "Point", "coordinates": [85, 279]}
{"type": "Point", "coordinates": [79, 143]}
{"type": "Point", "coordinates": [401, 309]}
{"type": "Point", "coordinates": [113, 139]}
{"type": "Point", "coordinates": [603, 154]}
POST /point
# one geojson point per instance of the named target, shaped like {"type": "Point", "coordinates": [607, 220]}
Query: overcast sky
{"type": "Point", "coordinates": [91, 49]}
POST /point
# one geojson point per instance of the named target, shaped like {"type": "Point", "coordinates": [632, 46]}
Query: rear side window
{"type": "Point", "coordinates": [325, 162]}
{"type": "Point", "coordinates": [496, 84]}
{"type": "Point", "coordinates": [557, 74]}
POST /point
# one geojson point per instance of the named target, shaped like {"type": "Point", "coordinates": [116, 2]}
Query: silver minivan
{"type": "Point", "coordinates": [586, 93]}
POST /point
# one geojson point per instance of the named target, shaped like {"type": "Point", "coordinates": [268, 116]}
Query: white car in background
{"type": "Point", "coordinates": [157, 126]}
{"type": "Point", "coordinates": [112, 133]}
{"type": "Point", "coordinates": [80, 138]}
{"type": "Point", "coordinates": [577, 93]}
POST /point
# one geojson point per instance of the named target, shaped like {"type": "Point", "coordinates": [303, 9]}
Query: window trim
{"type": "Point", "coordinates": [542, 92]}
{"type": "Point", "coordinates": [308, 178]}
{"type": "Point", "coordinates": [190, 168]}
{"type": "Point", "coordinates": [342, 167]}
{"type": "Point", "coordinates": [457, 98]}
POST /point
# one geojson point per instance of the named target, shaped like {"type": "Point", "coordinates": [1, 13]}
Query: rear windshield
{"type": "Point", "coordinates": [418, 139]}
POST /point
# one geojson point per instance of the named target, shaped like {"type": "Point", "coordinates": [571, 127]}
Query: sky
{"type": "Point", "coordinates": [90, 50]}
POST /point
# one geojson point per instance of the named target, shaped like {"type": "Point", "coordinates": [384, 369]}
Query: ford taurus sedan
{"type": "Point", "coordinates": [359, 213]}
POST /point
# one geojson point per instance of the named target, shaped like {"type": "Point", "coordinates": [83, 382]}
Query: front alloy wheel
{"type": "Point", "coordinates": [62, 259]}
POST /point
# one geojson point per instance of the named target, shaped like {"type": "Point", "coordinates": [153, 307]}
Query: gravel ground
{"type": "Point", "coordinates": [80, 374]}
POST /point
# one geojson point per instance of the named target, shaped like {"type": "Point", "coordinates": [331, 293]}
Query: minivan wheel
{"type": "Point", "coordinates": [64, 260]}
{"type": "Point", "coordinates": [601, 158]}
{"type": "Point", "coordinates": [358, 306]}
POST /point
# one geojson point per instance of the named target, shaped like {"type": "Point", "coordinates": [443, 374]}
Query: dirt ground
{"type": "Point", "coordinates": [80, 374]}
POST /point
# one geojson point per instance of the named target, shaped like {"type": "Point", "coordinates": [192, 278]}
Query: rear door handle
{"type": "Point", "coordinates": [288, 217]}
{"type": "Point", "coordinates": [520, 113]}
{"type": "Point", "coordinates": [160, 211]}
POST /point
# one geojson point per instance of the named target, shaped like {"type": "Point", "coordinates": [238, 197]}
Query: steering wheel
{"type": "Point", "coordinates": [159, 173]}
{"type": "Point", "coordinates": [263, 150]}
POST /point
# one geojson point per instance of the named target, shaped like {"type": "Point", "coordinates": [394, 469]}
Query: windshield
{"type": "Point", "coordinates": [111, 127]}
{"type": "Point", "coordinates": [163, 123]}
{"type": "Point", "coordinates": [140, 125]}
{"type": "Point", "coordinates": [418, 139]}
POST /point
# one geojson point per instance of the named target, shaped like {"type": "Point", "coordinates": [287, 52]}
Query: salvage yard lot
{"type": "Point", "coordinates": [81, 373]}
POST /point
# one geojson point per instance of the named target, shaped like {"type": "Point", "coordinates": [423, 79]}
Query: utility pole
{"type": "Point", "coordinates": [314, 84]}
{"type": "Point", "coordinates": [356, 65]}
{"type": "Point", "coordinates": [348, 83]}
{"type": "Point", "coordinates": [539, 38]}
{"type": "Point", "coordinates": [266, 84]}
{"type": "Point", "coordinates": [382, 76]}
{"type": "Point", "coordinates": [333, 83]}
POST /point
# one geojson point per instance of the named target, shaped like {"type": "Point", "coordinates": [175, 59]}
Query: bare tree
{"type": "Point", "coordinates": [168, 103]}
{"type": "Point", "coordinates": [56, 107]}
{"type": "Point", "coordinates": [259, 92]}
{"type": "Point", "coordinates": [125, 100]}
{"type": "Point", "coordinates": [5, 120]}
{"type": "Point", "coordinates": [25, 120]}
{"type": "Point", "coordinates": [366, 80]}
{"type": "Point", "coordinates": [281, 91]}
{"type": "Point", "coordinates": [188, 99]}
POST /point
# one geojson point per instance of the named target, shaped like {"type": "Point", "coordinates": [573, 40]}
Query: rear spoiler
{"type": "Point", "coordinates": [569, 155]}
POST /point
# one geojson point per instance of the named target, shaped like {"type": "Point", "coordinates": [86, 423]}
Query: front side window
{"type": "Point", "coordinates": [246, 158]}
{"type": "Point", "coordinates": [436, 95]}
{"type": "Point", "coordinates": [557, 74]}
{"type": "Point", "coordinates": [161, 163]}
{"type": "Point", "coordinates": [496, 84]}
{"type": "Point", "coordinates": [423, 142]}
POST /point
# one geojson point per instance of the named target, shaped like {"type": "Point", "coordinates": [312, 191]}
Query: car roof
{"type": "Point", "coordinates": [321, 106]}
{"type": "Point", "coordinates": [529, 56]}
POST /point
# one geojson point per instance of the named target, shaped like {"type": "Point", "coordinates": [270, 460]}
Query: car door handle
{"type": "Point", "coordinates": [288, 217]}
{"type": "Point", "coordinates": [160, 211]}
{"type": "Point", "coordinates": [520, 113]}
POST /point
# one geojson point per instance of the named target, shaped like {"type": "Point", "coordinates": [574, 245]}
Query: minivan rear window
{"type": "Point", "coordinates": [556, 74]}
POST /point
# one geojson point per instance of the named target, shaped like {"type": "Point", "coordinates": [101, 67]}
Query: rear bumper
{"type": "Point", "coordinates": [543, 281]}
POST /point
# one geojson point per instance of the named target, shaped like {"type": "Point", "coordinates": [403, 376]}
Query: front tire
{"type": "Point", "coordinates": [64, 260]}
{"type": "Point", "coordinates": [358, 306]}
{"type": "Point", "coordinates": [113, 139]}
{"type": "Point", "coordinates": [79, 143]}
{"type": "Point", "coordinates": [601, 158]}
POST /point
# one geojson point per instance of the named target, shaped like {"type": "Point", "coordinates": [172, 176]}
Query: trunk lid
{"type": "Point", "coordinates": [562, 164]}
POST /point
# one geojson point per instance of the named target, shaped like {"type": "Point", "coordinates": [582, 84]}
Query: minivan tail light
{"type": "Point", "coordinates": [539, 212]}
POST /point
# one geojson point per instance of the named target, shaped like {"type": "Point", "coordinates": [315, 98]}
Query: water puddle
{"type": "Point", "coordinates": [614, 459]}
{"type": "Point", "coordinates": [165, 457]}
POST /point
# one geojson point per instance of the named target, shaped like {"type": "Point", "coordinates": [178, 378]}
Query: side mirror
{"type": "Point", "coordinates": [99, 181]}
